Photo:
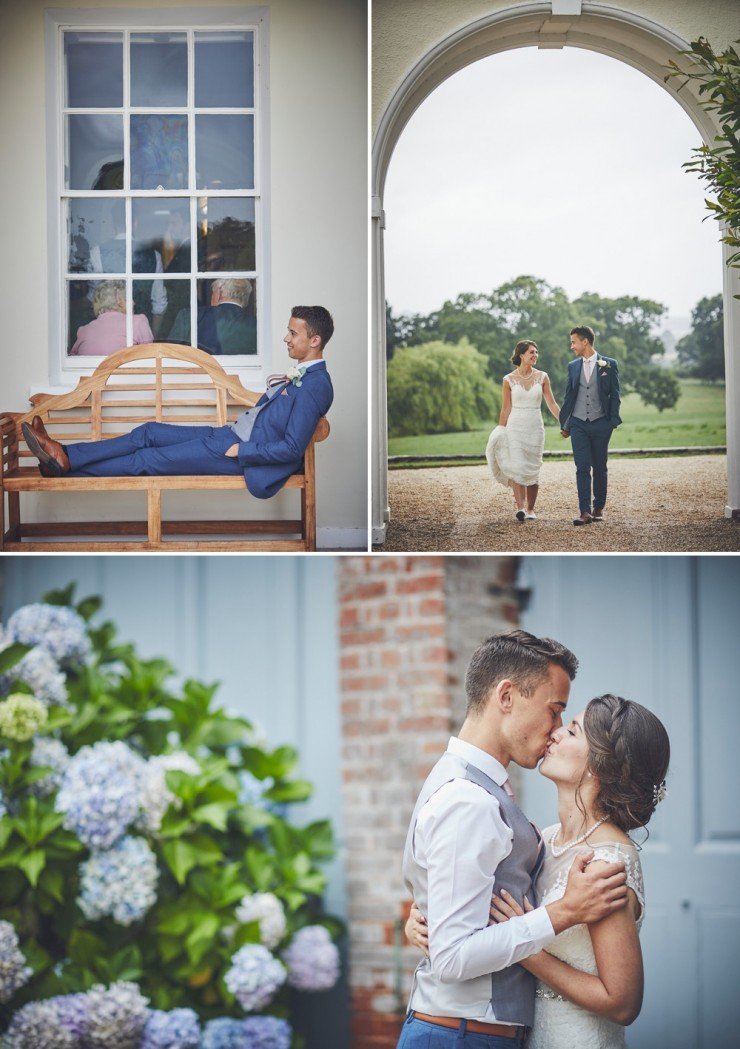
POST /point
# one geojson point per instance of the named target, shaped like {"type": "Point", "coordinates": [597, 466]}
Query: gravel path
{"type": "Point", "coordinates": [671, 504]}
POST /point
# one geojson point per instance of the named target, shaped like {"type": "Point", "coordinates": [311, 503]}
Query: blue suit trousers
{"type": "Point", "coordinates": [157, 448]}
{"type": "Point", "coordinates": [417, 1034]}
{"type": "Point", "coordinates": [590, 443]}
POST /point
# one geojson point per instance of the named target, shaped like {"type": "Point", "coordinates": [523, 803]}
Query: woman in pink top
{"type": "Point", "coordinates": [107, 333]}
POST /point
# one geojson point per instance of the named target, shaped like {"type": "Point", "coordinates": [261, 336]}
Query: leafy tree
{"type": "Point", "coordinates": [718, 77]}
{"type": "Point", "coordinates": [439, 388]}
{"type": "Point", "coordinates": [702, 352]}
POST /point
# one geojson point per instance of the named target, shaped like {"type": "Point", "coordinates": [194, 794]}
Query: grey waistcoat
{"type": "Point", "coordinates": [509, 992]}
{"type": "Point", "coordinates": [588, 402]}
{"type": "Point", "coordinates": [244, 423]}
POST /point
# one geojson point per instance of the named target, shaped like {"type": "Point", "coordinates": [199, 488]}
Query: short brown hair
{"type": "Point", "coordinates": [318, 321]}
{"type": "Point", "coordinates": [519, 656]}
{"type": "Point", "coordinates": [520, 349]}
{"type": "Point", "coordinates": [629, 752]}
{"type": "Point", "coordinates": [584, 332]}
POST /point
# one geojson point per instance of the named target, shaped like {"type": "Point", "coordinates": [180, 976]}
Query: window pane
{"type": "Point", "coordinates": [97, 318]}
{"type": "Point", "coordinates": [159, 69]}
{"type": "Point", "coordinates": [94, 152]}
{"type": "Point", "coordinates": [174, 323]}
{"type": "Point", "coordinates": [150, 305]}
{"type": "Point", "coordinates": [96, 235]}
{"type": "Point", "coordinates": [159, 152]}
{"type": "Point", "coordinates": [94, 70]}
{"type": "Point", "coordinates": [227, 323]}
{"type": "Point", "coordinates": [226, 233]}
{"type": "Point", "coordinates": [161, 235]}
{"type": "Point", "coordinates": [224, 70]}
{"type": "Point", "coordinates": [224, 152]}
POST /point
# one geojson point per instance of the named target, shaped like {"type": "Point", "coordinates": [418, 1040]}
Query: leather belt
{"type": "Point", "coordinates": [474, 1026]}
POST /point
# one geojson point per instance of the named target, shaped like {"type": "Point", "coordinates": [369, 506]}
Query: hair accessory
{"type": "Point", "coordinates": [659, 792]}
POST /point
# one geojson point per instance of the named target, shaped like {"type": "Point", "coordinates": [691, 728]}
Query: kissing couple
{"type": "Point", "coordinates": [528, 938]}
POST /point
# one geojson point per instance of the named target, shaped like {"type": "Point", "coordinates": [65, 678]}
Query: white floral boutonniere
{"type": "Point", "coordinates": [602, 363]}
{"type": "Point", "coordinates": [295, 375]}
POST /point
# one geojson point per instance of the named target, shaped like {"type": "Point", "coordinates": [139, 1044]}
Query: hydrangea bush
{"type": "Point", "coordinates": [153, 891]}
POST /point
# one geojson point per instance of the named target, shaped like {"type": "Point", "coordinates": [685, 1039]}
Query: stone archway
{"type": "Point", "coordinates": [629, 37]}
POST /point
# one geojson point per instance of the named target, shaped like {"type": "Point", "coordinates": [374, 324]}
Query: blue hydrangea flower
{"type": "Point", "coordinates": [52, 754]}
{"type": "Point", "coordinates": [265, 908]}
{"type": "Point", "coordinates": [60, 630]}
{"type": "Point", "coordinates": [13, 969]}
{"type": "Point", "coordinates": [100, 793]}
{"type": "Point", "coordinates": [254, 977]}
{"type": "Point", "coordinates": [155, 795]}
{"type": "Point", "coordinates": [224, 1034]}
{"type": "Point", "coordinates": [38, 1025]}
{"type": "Point", "coordinates": [120, 882]}
{"type": "Point", "coordinates": [178, 1029]}
{"type": "Point", "coordinates": [40, 671]}
{"type": "Point", "coordinates": [116, 1017]}
{"type": "Point", "coordinates": [312, 960]}
{"type": "Point", "coordinates": [267, 1032]}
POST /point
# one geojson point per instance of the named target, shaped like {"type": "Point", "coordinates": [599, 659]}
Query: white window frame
{"type": "Point", "coordinates": [65, 370]}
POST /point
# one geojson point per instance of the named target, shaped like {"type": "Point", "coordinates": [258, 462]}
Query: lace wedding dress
{"type": "Point", "coordinates": [514, 451]}
{"type": "Point", "coordinates": [558, 1024]}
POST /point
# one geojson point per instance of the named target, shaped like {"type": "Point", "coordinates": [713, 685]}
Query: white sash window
{"type": "Point", "coordinates": [158, 213]}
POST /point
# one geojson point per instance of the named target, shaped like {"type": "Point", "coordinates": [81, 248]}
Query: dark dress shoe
{"type": "Point", "coordinates": [584, 519]}
{"type": "Point", "coordinates": [51, 469]}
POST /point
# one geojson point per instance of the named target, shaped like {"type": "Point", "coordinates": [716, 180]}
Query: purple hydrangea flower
{"type": "Point", "coordinates": [40, 671]}
{"type": "Point", "coordinates": [312, 960]}
{"type": "Point", "coordinates": [38, 1025]}
{"type": "Point", "coordinates": [178, 1029]}
{"type": "Point", "coordinates": [13, 969]}
{"type": "Point", "coordinates": [254, 977]}
{"type": "Point", "coordinates": [59, 630]}
{"type": "Point", "coordinates": [120, 882]}
{"type": "Point", "coordinates": [52, 754]}
{"type": "Point", "coordinates": [100, 793]}
{"type": "Point", "coordinates": [267, 1032]}
{"type": "Point", "coordinates": [116, 1017]}
{"type": "Point", "coordinates": [224, 1034]}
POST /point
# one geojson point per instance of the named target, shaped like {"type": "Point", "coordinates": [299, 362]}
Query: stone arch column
{"type": "Point", "coordinates": [622, 34]}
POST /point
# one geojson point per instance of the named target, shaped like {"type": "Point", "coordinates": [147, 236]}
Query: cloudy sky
{"type": "Point", "coordinates": [561, 164]}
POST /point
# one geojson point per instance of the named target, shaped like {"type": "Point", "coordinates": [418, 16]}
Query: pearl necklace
{"type": "Point", "coordinates": [559, 850]}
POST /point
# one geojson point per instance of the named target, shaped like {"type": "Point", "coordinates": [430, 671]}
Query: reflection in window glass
{"type": "Point", "coordinates": [227, 322]}
{"type": "Point", "coordinates": [159, 69]}
{"type": "Point", "coordinates": [159, 152]}
{"type": "Point", "coordinates": [174, 324]}
{"type": "Point", "coordinates": [96, 235]}
{"type": "Point", "coordinates": [97, 318]}
{"type": "Point", "coordinates": [94, 152]}
{"type": "Point", "coordinates": [224, 70]}
{"type": "Point", "coordinates": [161, 235]}
{"type": "Point", "coordinates": [94, 70]}
{"type": "Point", "coordinates": [224, 152]}
{"type": "Point", "coordinates": [150, 302]}
{"type": "Point", "coordinates": [226, 233]}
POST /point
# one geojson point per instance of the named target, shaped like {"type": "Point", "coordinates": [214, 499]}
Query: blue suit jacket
{"type": "Point", "coordinates": [609, 392]}
{"type": "Point", "coordinates": [283, 430]}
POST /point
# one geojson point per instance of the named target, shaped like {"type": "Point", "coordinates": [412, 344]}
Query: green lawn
{"type": "Point", "coordinates": [697, 419]}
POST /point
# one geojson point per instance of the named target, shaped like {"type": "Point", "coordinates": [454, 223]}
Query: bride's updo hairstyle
{"type": "Point", "coordinates": [520, 349]}
{"type": "Point", "coordinates": [629, 753]}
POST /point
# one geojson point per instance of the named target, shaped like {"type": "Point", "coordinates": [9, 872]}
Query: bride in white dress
{"type": "Point", "coordinates": [609, 766]}
{"type": "Point", "coordinates": [514, 449]}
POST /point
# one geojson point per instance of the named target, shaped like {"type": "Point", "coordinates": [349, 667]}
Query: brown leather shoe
{"type": "Point", "coordinates": [598, 514]}
{"type": "Point", "coordinates": [50, 469]}
{"type": "Point", "coordinates": [46, 450]}
{"type": "Point", "coordinates": [37, 425]}
{"type": "Point", "coordinates": [584, 519]}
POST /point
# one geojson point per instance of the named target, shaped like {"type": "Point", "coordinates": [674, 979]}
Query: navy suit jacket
{"type": "Point", "coordinates": [608, 385]}
{"type": "Point", "coordinates": [283, 430]}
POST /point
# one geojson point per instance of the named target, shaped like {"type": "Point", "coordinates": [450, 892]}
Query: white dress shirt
{"type": "Point", "coordinates": [461, 838]}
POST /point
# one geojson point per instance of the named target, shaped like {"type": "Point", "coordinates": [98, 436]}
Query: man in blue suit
{"type": "Point", "coordinates": [266, 443]}
{"type": "Point", "coordinates": [589, 416]}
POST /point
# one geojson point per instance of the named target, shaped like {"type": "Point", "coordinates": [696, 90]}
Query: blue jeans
{"type": "Point", "coordinates": [417, 1034]}
{"type": "Point", "coordinates": [157, 448]}
{"type": "Point", "coordinates": [590, 443]}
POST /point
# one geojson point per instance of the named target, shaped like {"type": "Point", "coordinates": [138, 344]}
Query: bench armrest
{"type": "Point", "coordinates": [8, 442]}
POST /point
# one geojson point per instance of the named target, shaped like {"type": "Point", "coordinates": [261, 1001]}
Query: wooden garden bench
{"type": "Point", "coordinates": [156, 382]}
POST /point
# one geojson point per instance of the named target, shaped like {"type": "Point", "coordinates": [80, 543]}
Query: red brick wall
{"type": "Point", "coordinates": [403, 644]}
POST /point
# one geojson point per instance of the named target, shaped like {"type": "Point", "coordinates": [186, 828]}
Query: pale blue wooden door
{"type": "Point", "coordinates": [664, 631]}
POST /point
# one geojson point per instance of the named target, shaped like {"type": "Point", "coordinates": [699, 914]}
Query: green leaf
{"type": "Point", "coordinates": [52, 882]}
{"type": "Point", "coordinates": [32, 864]}
{"type": "Point", "coordinates": [201, 937]}
{"type": "Point", "coordinates": [215, 815]}
{"type": "Point", "coordinates": [180, 857]}
{"type": "Point", "coordinates": [12, 655]}
{"type": "Point", "coordinates": [296, 790]}
{"type": "Point", "coordinates": [85, 947]}
{"type": "Point", "coordinates": [88, 607]}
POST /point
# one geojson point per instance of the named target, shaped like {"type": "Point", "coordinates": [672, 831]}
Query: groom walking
{"type": "Point", "coordinates": [468, 835]}
{"type": "Point", "coordinates": [589, 415]}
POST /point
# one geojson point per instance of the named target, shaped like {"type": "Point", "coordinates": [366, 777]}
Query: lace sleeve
{"type": "Point", "coordinates": [509, 379]}
{"type": "Point", "coordinates": [616, 854]}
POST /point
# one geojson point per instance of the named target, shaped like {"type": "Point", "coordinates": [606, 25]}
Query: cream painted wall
{"type": "Point", "coordinates": [403, 33]}
{"type": "Point", "coordinates": [318, 251]}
